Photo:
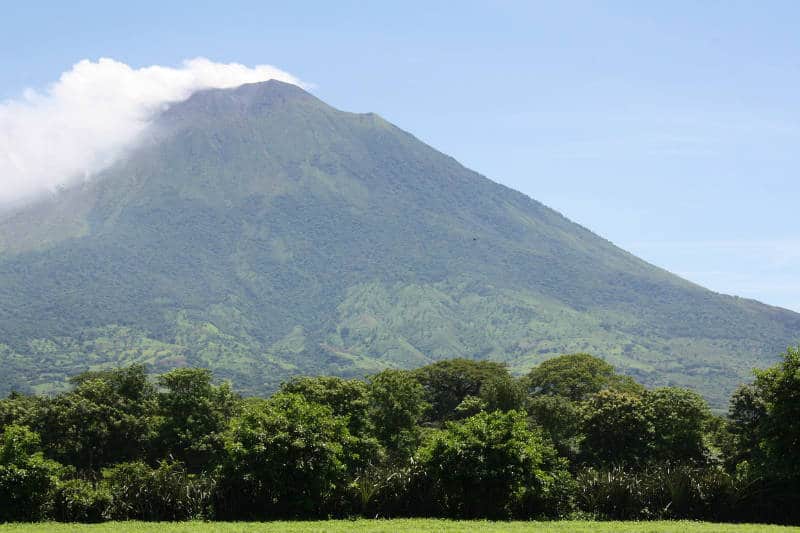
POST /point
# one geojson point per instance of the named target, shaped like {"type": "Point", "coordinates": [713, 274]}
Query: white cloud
{"type": "Point", "coordinates": [82, 122]}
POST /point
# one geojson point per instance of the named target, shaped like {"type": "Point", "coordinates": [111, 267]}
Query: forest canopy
{"type": "Point", "coordinates": [458, 438]}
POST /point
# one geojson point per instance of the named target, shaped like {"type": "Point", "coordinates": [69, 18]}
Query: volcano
{"type": "Point", "coordinates": [262, 233]}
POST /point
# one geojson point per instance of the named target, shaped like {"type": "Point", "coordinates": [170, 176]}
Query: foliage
{"type": "Point", "coordinates": [492, 465]}
{"type": "Point", "coordinates": [746, 414]}
{"type": "Point", "coordinates": [617, 429]}
{"type": "Point", "coordinates": [680, 418]}
{"type": "Point", "coordinates": [347, 398]}
{"type": "Point", "coordinates": [503, 393]}
{"type": "Point", "coordinates": [27, 479]}
{"type": "Point", "coordinates": [469, 406]}
{"type": "Point", "coordinates": [660, 491]}
{"type": "Point", "coordinates": [336, 447]}
{"type": "Point", "coordinates": [763, 448]}
{"type": "Point", "coordinates": [447, 383]}
{"type": "Point", "coordinates": [286, 458]}
{"type": "Point", "coordinates": [779, 390]}
{"type": "Point", "coordinates": [397, 405]}
{"type": "Point", "coordinates": [20, 409]}
{"type": "Point", "coordinates": [402, 526]}
{"type": "Point", "coordinates": [561, 419]}
{"type": "Point", "coordinates": [578, 376]}
{"type": "Point", "coordinates": [194, 415]}
{"type": "Point", "coordinates": [78, 500]}
{"type": "Point", "coordinates": [167, 492]}
{"type": "Point", "coordinates": [107, 418]}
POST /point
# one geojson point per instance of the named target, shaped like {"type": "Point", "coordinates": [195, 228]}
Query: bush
{"type": "Point", "coordinates": [658, 492]}
{"type": "Point", "coordinates": [165, 493]}
{"type": "Point", "coordinates": [78, 500]}
{"type": "Point", "coordinates": [492, 465]}
{"type": "Point", "coordinates": [287, 458]}
{"type": "Point", "coordinates": [395, 490]}
{"type": "Point", "coordinates": [612, 494]}
{"type": "Point", "coordinates": [27, 479]}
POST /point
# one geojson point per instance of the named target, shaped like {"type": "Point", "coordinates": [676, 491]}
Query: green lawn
{"type": "Point", "coordinates": [392, 526]}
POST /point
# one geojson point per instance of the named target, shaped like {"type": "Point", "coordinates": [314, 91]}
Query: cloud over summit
{"type": "Point", "coordinates": [82, 122]}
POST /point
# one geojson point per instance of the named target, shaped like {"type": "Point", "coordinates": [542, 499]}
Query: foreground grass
{"type": "Point", "coordinates": [398, 526]}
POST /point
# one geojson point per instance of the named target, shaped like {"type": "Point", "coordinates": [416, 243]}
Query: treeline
{"type": "Point", "coordinates": [457, 438]}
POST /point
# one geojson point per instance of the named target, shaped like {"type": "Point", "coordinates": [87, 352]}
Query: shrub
{"type": "Point", "coordinates": [27, 479]}
{"type": "Point", "coordinates": [286, 458]}
{"type": "Point", "coordinates": [611, 493]}
{"type": "Point", "coordinates": [168, 492]}
{"type": "Point", "coordinates": [492, 465]}
{"type": "Point", "coordinates": [394, 490]}
{"type": "Point", "coordinates": [78, 500]}
{"type": "Point", "coordinates": [667, 491]}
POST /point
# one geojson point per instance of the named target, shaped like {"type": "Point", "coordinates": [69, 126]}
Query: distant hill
{"type": "Point", "coordinates": [262, 233]}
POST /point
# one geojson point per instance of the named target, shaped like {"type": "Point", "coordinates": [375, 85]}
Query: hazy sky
{"type": "Point", "coordinates": [671, 128]}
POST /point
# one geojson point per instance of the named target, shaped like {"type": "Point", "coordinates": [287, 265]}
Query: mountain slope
{"type": "Point", "coordinates": [261, 232]}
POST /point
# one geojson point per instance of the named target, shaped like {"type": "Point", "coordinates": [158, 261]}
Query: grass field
{"type": "Point", "coordinates": [393, 526]}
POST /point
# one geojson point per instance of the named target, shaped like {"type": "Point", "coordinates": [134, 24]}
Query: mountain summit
{"type": "Point", "coordinates": [262, 233]}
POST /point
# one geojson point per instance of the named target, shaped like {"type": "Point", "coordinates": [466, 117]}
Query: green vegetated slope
{"type": "Point", "coordinates": [397, 526]}
{"type": "Point", "coordinates": [262, 233]}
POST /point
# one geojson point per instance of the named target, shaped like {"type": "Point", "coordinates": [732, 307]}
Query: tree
{"type": "Point", "coordinates": [286, 459]}
{"type": "Point", "coordinates": [108, 418]}
{"type": "Point", "coordinates": [578, 376]}
{"type": "Point", "coordinates": [194, 415]}
{"type": "Point", "coordinates": [397, 403]}
{"type": "Point", "coordinates": [679, 419]}
{"type": "Point", "coordinates": [448, 383]}
{"type": "Point", "coordinates": [746, 414]}
{"type": "Point", "coordinates": [27, 479]}
{"type": "Point", "coordinates": [503, 393]}
{"type": "Point", "coordinates": [492, 465]}
{"type": "Point", "coordinates": [617, 429]}
{"type": "Point", "coordinates": [19, 409]}
{"type": "Point", "coordinates": [561, 419]}
{"type": "Point", "coordinates": [347, 398]}
{"type": "Point", "coordinates": [778, 389]}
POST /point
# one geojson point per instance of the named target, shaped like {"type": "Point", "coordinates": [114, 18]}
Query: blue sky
{"type": "Point", "coordinates": [671, 128]}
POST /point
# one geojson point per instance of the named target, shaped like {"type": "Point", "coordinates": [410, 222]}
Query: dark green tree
{"type": "Point", "coordinates": [617, 429]}
{"type": "Point", "coordinates": [287, 458]}
{"type": "Point", "coordinates": [561, 419]}
{"type": "Point", "coordinates": [19, 409]}
{"type": "Point", "coordinates": [347, 398]}
{"type": "Point", "coordinates": [492, 465]}
{"type": "Point", "coordinates": [779, 389]}
{"type": "Point", "coordinates": [194, 415]}
{"type": "Point", "coordinates": [503, 393]}
{"type": "Point", "coordinates": [747, 412]}
{"type": "Point", "coordinates": [578, 376]}
{"type": "Point", "coordinates": [108, 418]}
{"type": "Point", "coordinates": [447, 383]}
{"type": "Point", "coordinates": [680, 418]}
{"type": "Point", "coordinates": [397, 404]}
{"type": "Point", "coordinates": [27, 479]}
